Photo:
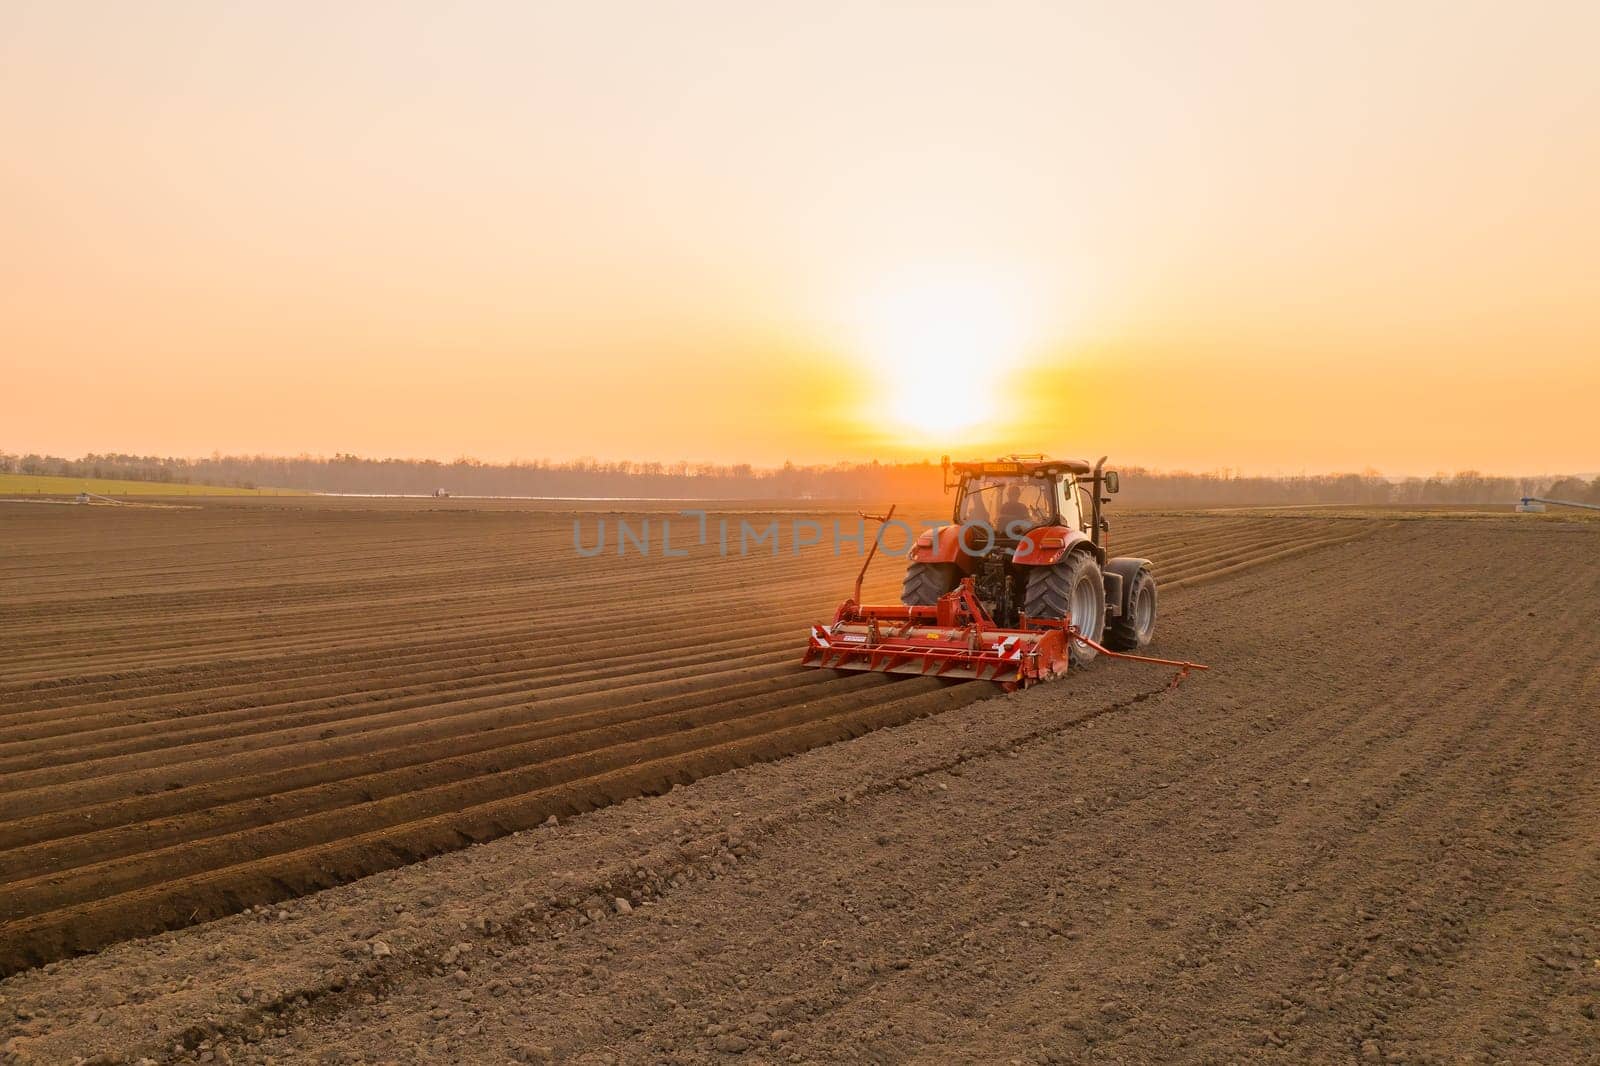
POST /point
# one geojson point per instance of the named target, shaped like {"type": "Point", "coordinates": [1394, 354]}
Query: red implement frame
{"type": "Point", "coordinates": [953, 639]}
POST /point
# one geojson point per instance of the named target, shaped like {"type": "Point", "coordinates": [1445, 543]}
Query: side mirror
{"type": "Point", "coordinates": [1111, 482]}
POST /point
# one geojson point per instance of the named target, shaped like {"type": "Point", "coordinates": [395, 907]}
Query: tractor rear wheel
{"type": "Point", "coordinates": [1072, 589]}
{"type": "Point", "coordinates": [926, 582]}
{"type": "Point", "coordinates": [1137, 625]}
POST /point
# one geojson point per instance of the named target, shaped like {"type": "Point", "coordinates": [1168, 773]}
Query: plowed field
{"type": "Point", "coordinates": [206, 709]}
{"type": "Point", "coordinates": [1368, 834]}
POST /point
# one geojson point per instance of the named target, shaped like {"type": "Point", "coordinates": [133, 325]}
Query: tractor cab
{"type": "Point", "coordinates": [1017, 494]}
{"type": "Point", "coordinates": [1013, 504]}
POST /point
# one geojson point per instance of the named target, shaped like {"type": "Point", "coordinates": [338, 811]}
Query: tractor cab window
{"type": "Point", "coordinates": [1071, 504]}
{"type": "Point", "coordinates": [997, 502]}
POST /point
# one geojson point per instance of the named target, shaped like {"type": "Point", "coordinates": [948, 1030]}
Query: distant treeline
{"type": "Point", "coordinates": [903, 482]}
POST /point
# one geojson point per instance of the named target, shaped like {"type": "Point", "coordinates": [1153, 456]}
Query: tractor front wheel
{"type": "Point", "coordinates": [1072, 589]}
{"type": "Point", "coordinates": [926, 582]}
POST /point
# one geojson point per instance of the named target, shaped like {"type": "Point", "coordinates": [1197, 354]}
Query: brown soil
{"type": "Point", "coordinates": [1369, 833]}
{"type": "Point", "coordinates": [214, 709]}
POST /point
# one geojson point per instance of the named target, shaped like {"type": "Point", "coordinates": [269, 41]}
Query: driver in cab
{"type": "Point", "coordinates": [1013, 512]}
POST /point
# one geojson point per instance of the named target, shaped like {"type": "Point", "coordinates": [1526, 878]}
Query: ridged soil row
{"type": "Point", "coordinates": [576, 589]}
{"type": "Point", "coordinates": [56, 840]}
{"type": "Point", "coordinates": [226, 835]}
{"type": "Point", "coordinates": [649, 767]}
{"type": "Point", "coordinates": [55, 787]}
{"type": "Point", "coordinates": [73, 738]}
{"type": "Point", "coordinates": [595, 595]}
{"type": "Point", "coordinates": [473, 639]}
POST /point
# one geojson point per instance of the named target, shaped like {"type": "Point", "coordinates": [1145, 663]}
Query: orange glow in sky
{"type": "Point", "coordinates": [1265, 236]}
{"type": "Point", "coordinates": [942, 344]}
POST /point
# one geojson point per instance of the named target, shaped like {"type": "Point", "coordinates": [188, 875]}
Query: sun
{"type": "Point", "coordinates": [941, 344]}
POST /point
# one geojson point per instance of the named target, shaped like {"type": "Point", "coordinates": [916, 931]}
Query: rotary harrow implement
{"type": "Point", "coordinates": [954, 638]}
{"type": "Point", "coordinates": [1018, 589]}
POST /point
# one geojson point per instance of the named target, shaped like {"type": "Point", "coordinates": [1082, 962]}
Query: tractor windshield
{"type": "Point", "coordinates": [998, 502]}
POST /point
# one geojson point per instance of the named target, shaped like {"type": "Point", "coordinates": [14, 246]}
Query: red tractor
{"type": "Point", "coordinates": [1030, 533]}
{"type": "Point", "coordinates": [1016, 589]}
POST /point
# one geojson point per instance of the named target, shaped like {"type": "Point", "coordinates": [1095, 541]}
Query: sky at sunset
{"type": "Point", "coordinates": [1266, 236]}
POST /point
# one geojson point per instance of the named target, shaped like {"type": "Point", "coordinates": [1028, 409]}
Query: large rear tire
{"type": "Point", "coordinates": [1137, 626]}
{"type": "Point", "coordinates": [1072, 589]}
{"type": "Point", "coordinates": [926, 582]}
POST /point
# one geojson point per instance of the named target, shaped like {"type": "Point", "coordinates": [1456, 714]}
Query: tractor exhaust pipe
{"type": "Point", "coordinates": [1096, 534]}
